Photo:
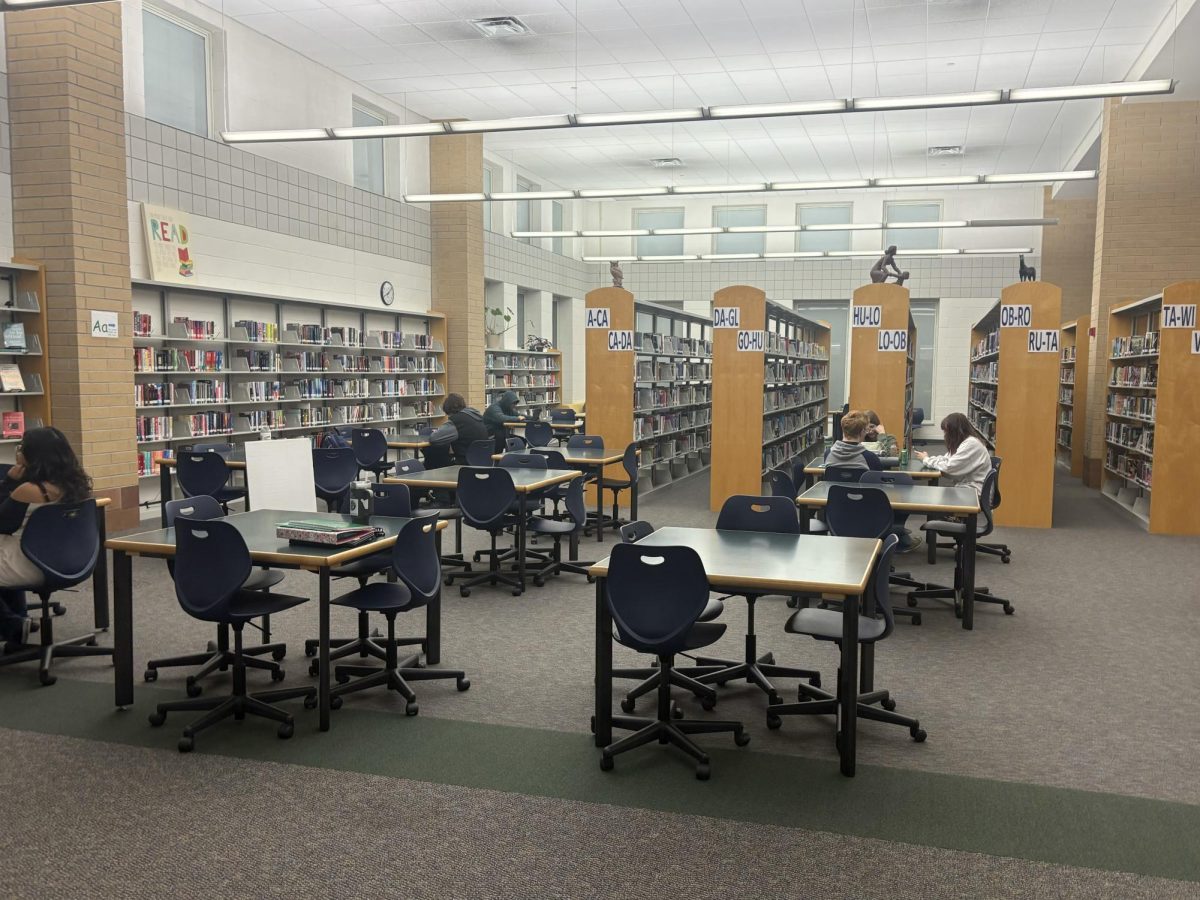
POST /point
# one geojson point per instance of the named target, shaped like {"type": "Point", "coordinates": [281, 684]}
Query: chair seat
{"type": "Point", "coordinates": [714, 609]}
{"type": "Point", "coordinates": [261, 579]}
{"type": "Point", "coordinates": [550, 526]}
{"type": "Point", "coordinates": [248, 605]}
{"type": "Point", "coordinates": [445, 512]}
{"type": "Point", "coordinates": [616, 484]}
{"type": "Point", "coordinates": [365, 566]}
{"type": "Point", "coordinates": [826, 625]}
{"type": "Point", "coordinates": [940, 526]}
{"type": "Point", "coordinates": [701, 635]}
{"type": "Point", "coordinates": [380, 466]}
{"type": "Point", "coordinates": [378, 596]}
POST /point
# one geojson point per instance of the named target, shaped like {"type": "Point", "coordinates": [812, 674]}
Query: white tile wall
{"type": "Point", "coordinates": [956, 316]}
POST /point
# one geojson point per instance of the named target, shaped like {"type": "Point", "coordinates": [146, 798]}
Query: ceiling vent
{"type": "Point", "coordinates": [667, 162]}
{"type": "Point", "coordinates": [501, 26]}
{"type": "Point", "coordinates": [948, 150]}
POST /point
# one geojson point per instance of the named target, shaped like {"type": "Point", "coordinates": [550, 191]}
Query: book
{"type": "Point", "coordinates": [13, 425]}
{"type": "Point", "coordinates": [10, 378]}
{"type": "Point", "coordinates": [14, 336]}
{"type": "Point", "coordinates": [326, 534]}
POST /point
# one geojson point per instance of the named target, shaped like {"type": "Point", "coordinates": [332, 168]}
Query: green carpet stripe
{"type": "Point", "coordinates": [1054, 825]}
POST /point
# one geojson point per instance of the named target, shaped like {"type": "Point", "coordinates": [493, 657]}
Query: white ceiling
{"type": "Point", "coordinates": [608, 55]}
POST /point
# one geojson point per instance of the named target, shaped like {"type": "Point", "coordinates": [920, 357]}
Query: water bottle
{"type": "Point", "coordinates": [361, 501]}
{"type": "Point", "coordinates": [904, 457]}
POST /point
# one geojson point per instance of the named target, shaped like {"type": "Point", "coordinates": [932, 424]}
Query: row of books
{"type": "Point", "coordinates": [989, 343]}
{"type": "Point", "coordinates": [799, 447]}
{"type": "Point", "coordinates": [983, 424]}
{"type": "Point", "coordinates": [265, 332]}
{"type": "Point", "coordinates": [794, 395]}
{"type": "Point", "coordinates": [394, 387]}
{"type": "Point", "coordinates": [785, 424]}
{"type": "Point", "coordinates": [521, 361]}
{"type": "Point", "coordinates": [533, 397]}
{"type": "Point", "coordinates": [1134, 437]}
{"type": "Point", "coordinates": [406, 364]}
{"type": "Point", "coordinates": [678, 370]}
{"type": "Point", "coordinates": [806, 347]}
{"type": "Point", "coordinates": [659, 398]}
{"type": "Point", "coordinates": [675, 445]}
{"type": "Point", "coordinates": [1068, 354]}
{"type": "Point", "coordinates": [147, 460]}
{"type": "Point", "coordinates": [1136, 468]}
{"type": "Point", "coordinates": [985, 371]}
{"type": "Point", "coordinates": [328, 388]}
{"type": "Point", "coordinates": [1138, 407]}
{"type": "Point", "coordinates": [1066, 394]}
{"type": "Point", "coordinates": [208, 423]}
{"type": "Point", "coordinates": [1064, 417]}
{"type": "Point", "coordinates": [402, 340]}
{"type": "Point", "coordinates": [143, 326]}
{"type": "Point", "coordinates": [262, 391]}
{"type": "Point", "coordinates": [321, 334]}
{"type": "Point", "coordinates": [655, 424]}
{"type": "Point", "coordinates": [984, 398]}
{"type": "Point", "coordinates": [172, 359]}
{"type": "Point", "coordinates": [1064, 437]}
{"type": "Point", "coordinates": [1134, 376]}
{"type": "Point", "coordinates": [779, 371]}
{"type": "Point", "coordinates": [166, 393]}
{"type": "Point", "coordinates": [670, 345]}
{"type": "Point", "coordinates": [257, 419]}
{"type": "Point", "coordinates": [514, 380]}
{"type": "Point", "coordinates": [1135, 345]}
{"type": "Point", "coordinates": [1066, 376]}
{"type": "Point", "coordinates": [197, 329]}
{"type": "Point", "coordinates": [260, 360]}
{"type": "Point", "coordinates": [153, 428]}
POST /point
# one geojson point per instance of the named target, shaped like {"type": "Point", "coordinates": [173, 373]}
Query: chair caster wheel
{"type": "Point", "coordinates": [912, 602]}
{"type": "Point", "coordinates": [464, 592]}
{"type": "Point", "coordinates": [310, 651]}
{"type": "Point", "coordinates": [916, 620]}
{"type": "Point", "coordinates": [703, 772]}
{"type": "Point", "coordinates": [793, 602]}
{"type": "Point", "coordinates": [91, 642]}
{"type": "Point", "coordinates": [538, 582]}
{"type": "Point", "coordinates": [151, 675]}
{"type": "Point", "coordinates": [476, 557]}
{"type": "Point", "coordinates": [335, 702]}
{"type": "Point", "coordinates": [314, 670]}
{"type": "Point", "coordinates": [741, 738]}
{"type": "Point", "coordinates": [463, 684]}
{"type": "Point", "coordinates": [769, 659]}
{"type": "Point", "coordinates": [708, 703]}
{"type": "Point", "coordinates": [278, 674]}
{"type": "Point", "coordinates": [815, 681]}
{"type": "Point", "coordinates": [1008, 609]}
{"type": "Point", "coordinates": [157, 719]}
{"type": "Point", "coordinates": [1006, 560]}
{"type": "Point", "coordinates": [517, 592]}
{"type": "Point", "coordinates": [341, 677]}
{"type": "Point", "coordinates": [310, 702]}
{"type": "Point", "coordinates": [773, 699]}
{"type": "Point", "coordinates": [58, 609]}
{"type": "Point", "coordinates": [889, 704]}
{"type": "Point", "coordinates": [592, 725]}
{"type": "Point", "coordinates": [591, 579]}
{"type": "Point", "coordinates": [187, 744]}
{"type": "Point", "coordinates": [918, 735]}
{"type": "Point", "coordinates": [606, 762]}
{"type": "Point", "coordinates": [412, 709]}
{"type": "Point", "coordinates": [46, 679]}
{"type": "Point", "coordinates": [773, 721]}
{"type": "Point", "coordinates": [193, 689]}
{"type": "Point", "coordinates": [286, 730]}
{"type": "Point", "coordinates": [628, 705]}
{"type": "Point", "coordinates": [448, 581]}
{"type": "Point", "coordinates": [676, 712]}
{"type": "Point", "coordinates": [278, 655]}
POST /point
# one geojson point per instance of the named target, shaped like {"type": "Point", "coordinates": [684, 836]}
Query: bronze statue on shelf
{"type": "Point", "coordinates": [880, 273]}
{"type": "Point", "coordinates": [1027, 273]}
{"type": "Point", "coordinates": [618, 277]}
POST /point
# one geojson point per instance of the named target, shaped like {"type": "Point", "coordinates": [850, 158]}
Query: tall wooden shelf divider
{"type": "Point", "coordinates": [883, 347]}
{"type": "Point", "coordinates": [1013, 396]}
{"type": "Point", "coordinates": [24, 303]}
{"type": "Point", "coordinates": [1154, 367]}
{"type": "Point", "coordinates": [609, 372]}
{"type": "Point", "coordinates": [770, 390]}
{"type": "Point", "coordinates": [1072, 395]}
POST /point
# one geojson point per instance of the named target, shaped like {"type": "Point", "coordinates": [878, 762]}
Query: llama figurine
{"type": "Point", "coordinates": [1027, 273]}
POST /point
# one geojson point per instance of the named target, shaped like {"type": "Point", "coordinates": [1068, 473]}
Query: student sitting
{"type": "Point", "coordinates": [463, 428]}
{"type": "Point", "coordinates": [885, 444]}
{"type": "Point", "coordinates": [503, 410]}
{"type": "Point", "coordinates": [969, 460]}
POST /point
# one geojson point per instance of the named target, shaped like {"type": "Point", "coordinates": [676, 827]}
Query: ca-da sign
{"type": "Point", "coordinates": [1043, 341]}
{"type": "Point", "coordinates": [597, 318]}
{"type": "Point", "coordinates": [752, 341]}
{"type": "Point", "coordinates": [867, 317]}
{"type": "Point", "coordinates": [893, 340]}
{"type": "Point", "coordinates": [1018, 316]}
{"type": "Point", "coordinates": [620, 340]}
{"type": "Point", "coordinates": [1178, 315]}
{"type": "Point", "coordinates": [727, 317]}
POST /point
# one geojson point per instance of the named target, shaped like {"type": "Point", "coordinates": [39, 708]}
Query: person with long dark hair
{"type": "Point", "coordinates": [46, 471]}
{"type": "Point", "coordinates": [968, 461]}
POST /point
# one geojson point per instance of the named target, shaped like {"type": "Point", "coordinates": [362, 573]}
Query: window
{"type": "Point", "coordinates": [726, 216]}
{"type": "Point", "coordinates": [924, 313]}
{"type": "Point", "coordinates": [912, 238]}
{"type": "Point", "coordinates": [823, 214]}
{"type": "Point", "coordinates": [556, 224]}
{"type": "Point", "coordinates": [368, 154]}
{"type": "Point", "coordinates": [661, 244]}
{"type": "Point", "coordinates": [175, 69]}
{"type": "Point", "coordinates": [527, 210]}
{"type": "Point", "coordinates": [521, 319]}
{"type": "Point", "coordinates": [491, 211]}
{"type": "Point", "coordinates": [837, 314]}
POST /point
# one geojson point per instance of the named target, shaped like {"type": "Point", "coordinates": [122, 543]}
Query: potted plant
{"type": "Point", "coordinates": [496, 322]}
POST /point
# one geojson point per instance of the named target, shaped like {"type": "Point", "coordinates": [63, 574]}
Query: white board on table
{"type": "Point", "coordinates": [280, 475]}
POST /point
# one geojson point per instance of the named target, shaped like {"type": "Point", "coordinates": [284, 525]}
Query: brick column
{"type": "Point", "coordinates": [1145, 227]}
{"type": "Point", "coordinates": [456, 166]}
{"type": "Point", "coordinates": [1069, 250]}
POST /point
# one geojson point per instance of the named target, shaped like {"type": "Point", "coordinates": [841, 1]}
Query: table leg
{"type": "Point", "coordinates": [522, 502]}
{"type": "Point", "coordinates": [599, 505]}
{"type": "Point", "coordinates": [603, 716]}
{"type": "Point", "coordinates": [123, 628]}
{"type": "Point", "coordinates": [968, 574]}
{"type": "Point", "coordinates": [166, 492]}
{"type": "Point", "coordinates": [848, 685]}
{"type": "Point", "coordinates": [323, 650]}
{"type": "Point", "coordinates": [866, 665]}
{"type": "Point", "coordinates": [433, 628]}
{"type": "Point", "coordinates": [806, 513]}
{"type": "Point", "coordinates": [100, 574]}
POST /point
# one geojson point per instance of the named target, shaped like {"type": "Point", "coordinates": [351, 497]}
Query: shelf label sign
{"type": "Point", "coordinates": [104, 324]}
{"type": "Point", "coordinates": [1179, 315]}
{"type": "Point", "coordinates": [893, 339]}
{"type": "Point", "coordinates": [727, 317]}
{"type": "Point", "coordinates": [1043, 341]}
{"type": "Point", "coordinates": [752, 341]}
{"type": "Point", "coordinates": [1196, 342]}
{"type": "Point", "coordinates": [597, 318]}
{"type": "Point", "coordinates": [1016, 316]}
{"type": "Point", "coordinates": [620, 340]}
{"type": "Point", "coordinates": [867, 317]}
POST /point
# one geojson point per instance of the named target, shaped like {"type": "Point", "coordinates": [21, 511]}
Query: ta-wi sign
{"type": "Point", "coordinates": [1179, 315]}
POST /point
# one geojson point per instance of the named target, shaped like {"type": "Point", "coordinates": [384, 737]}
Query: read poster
{"type": "Point", "coordinates": [168, 249]}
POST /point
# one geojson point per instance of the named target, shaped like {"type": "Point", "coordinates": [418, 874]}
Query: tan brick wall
{"type": "Point", "coordinates": [1069, 251]}
{"type": "Point", "coordinates": [66, 99]}
{"type": "Point", "coordinates": [1146, 235]}
{"type": "Point", "coordinates": [456, 166]}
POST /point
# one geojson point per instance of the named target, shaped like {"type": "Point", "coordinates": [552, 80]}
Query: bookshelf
{"type": "Point", "coordinates": [1012, 398]}
{"type": "Point", "coordinates": [23, 296]}
{"type": "Point", "coordinates": [770, 390]}
{"type": "Point", "coordinates": [1072, 395]}
{"type": "Point", "coordinates": [226, 367]}
{"type": "Point", "coordinates": [883, 347]}
{"type": "Point", "coordinates": [1153, 367]}
{"type": "Point", "coordinates": [536, 376]}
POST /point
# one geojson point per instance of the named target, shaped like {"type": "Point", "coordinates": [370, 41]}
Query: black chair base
{"type": "Point", "coordinates": [554, 564]}
{"type": "Point", "coordinates": [820, 703]}
{"type": "Point", "coordinates": [937, 592]}
{"type": "Point", "coordinates": [680, 678]}
{"type": "Point", "coordinates": [1000, 550]}
{"type": "Point", "coordinates": [218, 660]}
{"type": "Point", "coordinates": [364, 644]}
{"type": "Point", "coordinates": [897, 579]}
{"type": "Point", "coordinates": [494, 574]}
{"type": "Point", "coordinates": [47, 649]}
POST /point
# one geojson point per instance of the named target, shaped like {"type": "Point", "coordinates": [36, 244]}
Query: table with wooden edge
{"type": "Point", "coordinates": [930, 500]}
{"type": "Point", "coordinates": [761, 563]}
{"type": "Point", "coordinates": [234, 459]}
{"type": "Point", "coordinates": [913, 468]}
{"type": "Point", "coordinates": [408, 442]}
{"type": "Point", "coordinates": [526, 481]}
{"type": "Point", "coordinates": [561, 427]}
{"type": "Point", "coordinates": [266, 549]}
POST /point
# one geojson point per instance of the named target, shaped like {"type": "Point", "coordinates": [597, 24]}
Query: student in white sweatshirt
{"type": "Point", "coordinates": [969, 460]}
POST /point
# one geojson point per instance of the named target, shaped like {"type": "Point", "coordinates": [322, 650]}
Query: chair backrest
{"type": "Point", "coordinates": [655, 595]}
{"type": "Point", "coordinates": [880, 583]}
{"type": "Point", "coordinates": [853, 511]}
{"type": "Point", "coordinates": [635, 531]}
{"type": "Point", "coordinates": [987, 502]}
{"type": "Point", "coordinates": [408, 466]}
{"type": "Point", "coordinates": [436, 456]}
{"type": "Point", "coordinates": [415, 559]}
{"type": "Point", "coordinates": [63, 541]}
{"type": "Point", "coordinates": [391, 500]}
{"type": "Point", "coordinates": [554, 459]}
{"type": "Point", "coordinates": [885, 477]}
{"type": "Point", "coordinates": [485, 494]}
{"type": "Point", "coordinates": [201, 473]}
{"type": "Point", "coordinates": [573, 500]}
{"type": "Point", "coordinates": [562, 415]}
{"type": "Point", "coordinates": [742, 512]}
{"type": "Point", "coordinates": [996, 462]}
{"type": "Point", "coordinates": [539, 434]}
{"type": "Point", "coordinates": [369, 445]}
{"type": "Point", "coordinates": [213, 447]}
{"type": "Point", "coordinates": [630, 462]}
{"type": "Point", "coordinates": [523, 461]}
{"type": "Point", "coordinates": [198, 508]}
{"type": "Point", "coordinates": [515, 443]}
{"type": "Point", "coordinates": [211, 562]}
{"type": "Point", "coordinates": [848, 474]}
{"type": "Point", "coordinates": [585, 442]}
{"type": "Point", "coordinates": [479, 453]}
{"type": "Point", "coordinates": [782, 485]}
{"type": "Point", "coordinates": [918, 415]}
{"type": "Point", "coordinates": [334, 469]}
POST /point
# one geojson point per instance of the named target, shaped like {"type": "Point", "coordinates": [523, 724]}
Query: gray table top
{"type": "Point", "coordinates": [585, 456]}
{"type": "Point", "coordinates": [913, 467]}
{"type": "Point", "coordinates": [408, 441]}
{"type": "Point", "coordinates": [524, 480]}
{"type": "Point", "coordinates": [783, 563]}
{"type": "Point", "coordinates": [950, 501]}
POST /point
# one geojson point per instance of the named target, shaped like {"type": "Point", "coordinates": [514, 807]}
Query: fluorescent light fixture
{"type": "Point", "coordinates": [681, 258]}
{"type": "Point", "coordinates": [927, 101]}
{"type": "Point", "coordinates": [795, 254]}
{"type": "Point", "coordinates": [519, 124]}
{"type": "Point", "coordinates": [731, 256]}
{"type": "Point", "coordinates": [718, 188]}
{"type": "Point", "coordinates": [1009, 223]}
{"type": "Point", "coordinates": [854, 253]}
{"type": "Point", "coordinates": [634, 118]}
{"type": "Point", "coordinates": [1084, 91]}
{"type": "Point", "coordinates": [712, 229]}
{"type": "Point", "coordinates": [1021, 177]}
{"type": "Point", "coordinates": [927, 181]}
{"type": "Point", "coordinates": [850, 226]}
{"type": "Point", "coordinates": [604, 259]}
{"type": "Point", "coordinates": [762, 229]}
{"type": "Point", "coordinates": [442, 198]}
{"type": "Point", "coordinates": [263, 137]}
{"type": "Point", "coordinates": [545, 234]}
{"type": "Point", "coordinates": [624, 232]}
{"type": "Point", "coordinates": [532, 195]}
{"type": "Point", "coordinates": [960, 223]}
{"type": "Point", "coordinates": [1004, 250]}
{"type": "Point", "coordinates": [622, 192]}
{"type": "Point", "coordinates": [932, 251]}
{"type": "Point", "coordinates": [387, 131]}
{"type": "Point", "coordinates": [757, 110]}
{"type": "Point", "coordinates": [41, 4]}
{"type": "Point", "coordinates": [820, 185]}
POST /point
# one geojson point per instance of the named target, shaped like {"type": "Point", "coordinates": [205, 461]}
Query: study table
{"type": "Point", "coordinates": [568, 426]}
{"type": "Point", "coordinates": [761, 563]}
{"type": "Point", "coordinates": [526, 482]}
{"type": "Point", "coordinates": [412, 441]}
{"type": "Point", "coordinates": [257, 528]}
{"type": "Point", "coordinates": [234, 459]}
{"type": "Point", "coordinates": [930, 500]}
{"type": "Point", "coordinates": [913, 468]}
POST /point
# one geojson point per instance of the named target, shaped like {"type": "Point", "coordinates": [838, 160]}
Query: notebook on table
{"type": "Point", "coordinates": [326, 534]}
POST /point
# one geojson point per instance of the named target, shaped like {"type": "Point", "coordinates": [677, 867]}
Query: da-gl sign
{"type": "Point", "coordinates": [1016, 316]}
{"type": "Point", "coordinates": [727, 317]}
{"type": "Point", "coordinates": [1179, 315]}
{"type": "Point", "coordinates": [620, 340]}
{"type": "Point", "coordinates": [1043, 341]}
{"type": "Point", "coordinates": [893, 340]}
{"type": "Point", "coordinates": [752, 341]}
{"type": "Point", "coordinates": [168, 244]}
{"type": "Point", "coordinates": [867, 317]}
{"type": "Point", "coordinates": [598, 318]}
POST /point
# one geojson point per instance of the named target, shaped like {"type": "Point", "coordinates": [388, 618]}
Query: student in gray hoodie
{"type": "Point", "coordinates": [463, 427]}
{"type": "Point", "coordinates": [503, 410]}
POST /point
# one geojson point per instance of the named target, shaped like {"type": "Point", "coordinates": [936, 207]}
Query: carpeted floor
{"type": "Point", "coordinates": [1054, 721]}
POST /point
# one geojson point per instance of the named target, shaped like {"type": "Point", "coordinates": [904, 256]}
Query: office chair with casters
{"type": "Point", "coordinates": [899, 579]}
{"type": "Point", "coordinates": [211, 565]}
{"type": "Point", "coordinates": [63, 543]}
{"type": "Point", "coordinates": [957, 532]}
{"type": "Point", "coordinates": [629, 462]}
{"type": "Point", "coordinates": [213, 447]}
{"type": "Point", "coordinates": [570, 528]}
{"type": "Point", "coordinates": [425, 502]}
{"type": "Point", "coordinates": [219, 657]}
{"type": "Point", "coordinates": [414, 563]}
{"type": "Point", "coordinates": [826, 625]}
{"type": "Point", "coordinates": [655, 596]}
{"type": "Point", "coordinates": [479, 453]}
{"type": "Point", "coordinates": [204, 474]}
{"type": "Point", "coordinates": [562, 414]}
{"type": "Point", "coordinates": [539, 434]}
{"type": "Point", "coordinates": [371, 450]}
{"type": "Point", "coordinates": [1000, 550]}
{"type": "Point", "coordinates": [843, 474]}
{"type": "Point", "coordinates": [782, 485]}
{"type": "Point", "coordinates": [334, 470]}
{"type": "Point", "coordinates": [775, 515]}
{"type": "Point", "coordinates": [486, 497]}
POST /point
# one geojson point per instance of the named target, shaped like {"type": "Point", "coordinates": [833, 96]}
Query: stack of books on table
{"type": "Point", "coordinates": [326, 534]}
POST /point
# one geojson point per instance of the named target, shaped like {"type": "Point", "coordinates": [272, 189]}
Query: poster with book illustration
{"type": "Point", "coordinates": [168, 244]}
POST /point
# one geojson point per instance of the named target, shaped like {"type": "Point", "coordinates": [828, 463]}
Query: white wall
{"type": "Point", "coordinates": [6, 204]}
{"type": "Point", "coordinates": [956, 317]}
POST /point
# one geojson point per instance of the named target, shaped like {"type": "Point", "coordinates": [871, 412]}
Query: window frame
{"type": "Point", "coordinates": [848, 235]}
{"type": "Point", "coordinates": [214, 50]}
{"type": "Point", "coordinates": [533, 218]}
{"type": "Point", "coordinates": [888, 240]}
{"type": "Point", "coordinates": [357, 104]}
{"type": "Point", "coordinates": [760, 236]}
{"type": "Point", "coordinates": [637, 241]}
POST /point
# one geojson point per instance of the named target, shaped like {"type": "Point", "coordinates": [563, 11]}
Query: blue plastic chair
{"type": "Point", "coordinates": [371, 450]}
{"type": "Point", "coordinates": [629, 462]}
{"type": "Point", "coordinates": [204, 473]}
{"type": "Point", "coordinates": [212, 447]}
{"type": "Point", "coordinates": [887, 476]}
{"type": "Point", "coordinates": [480, 453]}
{"type": "Point", "coordinates": [656, 596]}
{"type": "Point", "coordinates": [524, 461]}
{"type": "Point", "coordinates": [487, 497]}
{"type": "Point", "coordinates": [334, 470]}
{"type": "Point", "coordinates": [585, 442]}
{"type": "Point", "coordinates": [539, 434]}
{"type": "Point", "coordinates": [571, 527]}
{"type": "Point", "coordinates": [562, 415]}
{"type": "Point", "coordinates": [844, 474]}
{"type": "Point", "coordinates": [516, 444]}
